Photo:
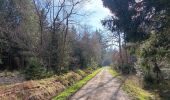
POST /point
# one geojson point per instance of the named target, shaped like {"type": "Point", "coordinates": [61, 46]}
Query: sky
{"type": "Point", "coordinates": [97, 13]}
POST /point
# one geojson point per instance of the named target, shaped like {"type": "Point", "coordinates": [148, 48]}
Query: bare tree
{"type": "Point", "coordinates": [42, 8]}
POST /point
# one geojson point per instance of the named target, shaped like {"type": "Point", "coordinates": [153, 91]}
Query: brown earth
{"type": "Point", "coordinates": [102, 87]}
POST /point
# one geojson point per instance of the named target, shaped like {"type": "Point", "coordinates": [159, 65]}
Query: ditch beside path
{"type": "Point", "coordinates": [102, 87]}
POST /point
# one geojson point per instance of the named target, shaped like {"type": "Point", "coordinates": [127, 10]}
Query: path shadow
{"type": "Point", "coordinates": [115, 94]}
{"type": "Point", "coordinates": [98, 87]}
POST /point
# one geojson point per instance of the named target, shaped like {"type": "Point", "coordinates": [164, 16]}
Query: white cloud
{"type": "Point", "coordinates": [99, 13]}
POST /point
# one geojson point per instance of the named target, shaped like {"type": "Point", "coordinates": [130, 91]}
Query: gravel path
{"type": "Point", "coordinates": [102, 87]}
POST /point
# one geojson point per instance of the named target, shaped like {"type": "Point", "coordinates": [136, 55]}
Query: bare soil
{"type": "Point", "coordinates": [102, 87]}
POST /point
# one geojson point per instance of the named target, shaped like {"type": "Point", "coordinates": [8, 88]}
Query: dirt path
{"type": "Point", "coordinates": [102, 87]}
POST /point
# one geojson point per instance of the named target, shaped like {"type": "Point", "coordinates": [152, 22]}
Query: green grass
{"type": "Point", "coordinates": [132, 88]}
{"type": "Point", "coordinates": [72, 89]}
{"type": "Point", "coordinates": [113, 72]}
{"type": "Point", "coordinates": [136, 91]}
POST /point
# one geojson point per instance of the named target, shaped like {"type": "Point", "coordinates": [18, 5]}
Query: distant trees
{"type": "Point", "coordinates": [15, 33]}
{"type": "Point", "coordinates": [93, 55]}
{"type": "Point", "coordinates": [44, 31]}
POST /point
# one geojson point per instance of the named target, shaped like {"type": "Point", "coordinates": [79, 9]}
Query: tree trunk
{"type": "Point", "coordinates": [120, 49]}
{"type": "Point", "coordinates": [125, 48]}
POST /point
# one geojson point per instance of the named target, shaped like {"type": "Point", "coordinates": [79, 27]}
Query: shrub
{"type": "Point", "coordinates": [88, 70]}
{"type": "Point", "coordinates": [93, 64]}
{"type": "Point", "coordinates": [127, 68]}
{"type": "Point", "coordinates": [49, 73]}
{"type": "Point", "coordinates": [34, 70]}
{"type": "Point", "coordinates": [148, 78]}
{"type": "Point", "coordinates": [69, 78]}
{"type": "Point", "coordinates": [72, 77]}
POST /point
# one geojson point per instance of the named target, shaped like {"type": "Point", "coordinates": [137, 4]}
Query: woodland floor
{"type": "Point", "coordinates": [102, 87]}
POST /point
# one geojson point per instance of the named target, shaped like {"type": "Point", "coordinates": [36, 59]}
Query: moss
{"type": "Point", "coordinates": [68, 92]}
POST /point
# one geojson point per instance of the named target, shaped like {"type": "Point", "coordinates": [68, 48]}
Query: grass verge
{"type": "Point", "coordinates": [136, 92]}
{"type": "Point", "coordinates": [113, 72]}
{"type": "Point", "coordinates": [72, 89]}
{"type": "Point", "coordinates": [132, 88]}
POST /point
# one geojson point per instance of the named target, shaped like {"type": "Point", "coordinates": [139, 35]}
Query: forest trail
{"type": "Point", "coordinates": [102, 87]}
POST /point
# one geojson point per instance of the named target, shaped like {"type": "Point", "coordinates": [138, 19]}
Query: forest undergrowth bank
{"type": "Point", "coordinates": [43, 89]}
